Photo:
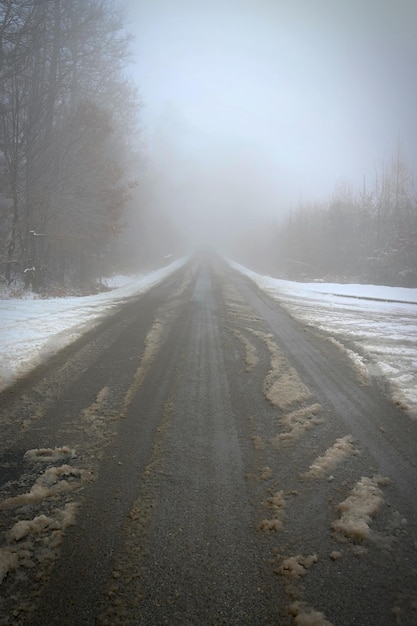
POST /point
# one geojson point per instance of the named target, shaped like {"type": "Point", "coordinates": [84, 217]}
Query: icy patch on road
{"type": "Point", "coordinates": [297, 423]}
{"type": "Point", "coordinates": [334, 455]}
{"type": "Point", "coordinates": [266, 473]}
{"type": "Point", "coordinates": [38, 525]}
{"type": "Point", "coordinates": [53, 481]}
{"type": "Point", "coordinates": [276, 504]}
{"type": "Point", "coordinates": [304, 615]}
{"type": "Point", "coordinates": [33, 542]}
{"type": "Point", "coordinates": [258, 442]}
{"type": "Point", "coordinates": [268, 525]}
{"type": "Point", "coordinates": [49, 455]}
{"type": "Point", "coordinates": [286, 390]}
{"type": "Point", "coordinates": [9, 562]}
{"type": "Point", "coordinates": [282, 385]}
{"type": "Point", "coordinates": [251, 357]}
{"type": "Point", "coordinates": [296, 566]}
{"type": "Point", "coordinates": [357, 511]}
{"type": "Point", "coordinates": [291, 570]}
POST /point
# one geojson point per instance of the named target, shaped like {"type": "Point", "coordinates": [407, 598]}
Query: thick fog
{"type": "Point", "coordinates": [251, 107]}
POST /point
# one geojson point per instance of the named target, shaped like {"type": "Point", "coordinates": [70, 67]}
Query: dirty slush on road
{"type": "Point", "coordinates": [203, 458]}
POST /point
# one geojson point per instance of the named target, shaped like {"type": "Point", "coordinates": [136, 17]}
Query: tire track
{"type": "Point", "coordinates": [194, 555]}
{"type": "Point", "coordinates": [125, 592]}
{"type": "Point", "coordinates": [35, 522]}
{"type": "Point", "coordinates": [283, 389]}
{"type": "Point", "coordinates": [221, 465]}
{"type": "Point", "coordinates": [327, 521]}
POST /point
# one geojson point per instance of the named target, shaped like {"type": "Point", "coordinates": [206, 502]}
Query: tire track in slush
{"type": "Point", "coordinates": [364, 502]}
{"type": "Point", "coordinates": [118, 482]}
{"type": "Point", "coordinates": [188, 555]}
{"type": "Point", "coordinates": [125, 591]}
{"type": "Point", "coordinates": [284, 390]}
{"type": "Point", "coordinates": [39, 518]}
{"type": "Point", "coordinates": [225, 485]}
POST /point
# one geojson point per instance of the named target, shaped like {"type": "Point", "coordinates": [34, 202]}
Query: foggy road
{"type": "Point", "coordinates": [202, 458]}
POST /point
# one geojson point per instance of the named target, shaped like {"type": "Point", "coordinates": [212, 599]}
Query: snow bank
{"type": "Point", "coordinates": [32, 330]}
{"type": "Point", "coordinates": [376, 326]}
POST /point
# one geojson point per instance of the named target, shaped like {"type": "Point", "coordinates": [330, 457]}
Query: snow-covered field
{"type": "Point", "coordinates": [375, 325]}
{"type": "Point", "coordinates": [32, 329]}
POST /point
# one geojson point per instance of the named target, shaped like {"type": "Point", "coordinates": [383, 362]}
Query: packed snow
{"type": "Point", "coordinates": [33, 329]}
{"type": "Point", "coordinates": [375, 325]}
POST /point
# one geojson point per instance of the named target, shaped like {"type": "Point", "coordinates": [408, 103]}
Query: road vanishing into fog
{"type": "Point", "coordinates": [202, 458]}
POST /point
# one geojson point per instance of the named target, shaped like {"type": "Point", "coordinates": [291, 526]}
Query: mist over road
{"type": "Point", "coordinates": [201, 457]}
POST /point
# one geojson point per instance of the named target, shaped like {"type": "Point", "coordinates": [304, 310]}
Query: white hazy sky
{"type": "Point", "coordinates": [274, 101]}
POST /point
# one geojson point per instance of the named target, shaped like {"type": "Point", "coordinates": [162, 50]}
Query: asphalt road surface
{"type": "Point", "coordinates": [202, 458]}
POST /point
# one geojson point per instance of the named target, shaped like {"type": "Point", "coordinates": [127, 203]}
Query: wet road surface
{"type": "Point", "coordinates": [202, 458]}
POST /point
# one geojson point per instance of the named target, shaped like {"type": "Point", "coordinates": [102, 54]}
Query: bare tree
{"type": "Point", "coordinates": [367, 235]}
{"type": "Point", "coordinates": [64, 145]}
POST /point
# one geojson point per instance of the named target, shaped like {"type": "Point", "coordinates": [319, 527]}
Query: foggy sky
{"type": "Point", "coordinates": [252, 106]}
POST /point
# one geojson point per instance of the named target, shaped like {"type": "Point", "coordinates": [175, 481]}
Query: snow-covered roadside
{"type": "Point", "coordinates": [33, 329]}
{"type": "Point", "coordinates": [376, 325]}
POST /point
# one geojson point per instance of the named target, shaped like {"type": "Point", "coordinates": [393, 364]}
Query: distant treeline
{"type": "Point", "coordinates": [68, 124]}
{"type": "Point", "coordinates": [360, 235]}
